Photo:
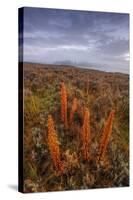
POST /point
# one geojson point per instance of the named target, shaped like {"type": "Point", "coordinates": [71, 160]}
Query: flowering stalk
{"type": "Point", "coordinates": [63, 104]}
{"type": "Point", "coordinates": [86, 134]}
{"type": "Point", "coordinates": [74, 108]}
{"type": "Point", "coordinates": [106, 135]}
{"type": "Point", "coordinates": [54, 145]}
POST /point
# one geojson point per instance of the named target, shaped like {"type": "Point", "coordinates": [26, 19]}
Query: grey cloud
{"type": "Point", "coordinates": [52, 35]}
{"type": "Point", "coordinates": [115, 47]}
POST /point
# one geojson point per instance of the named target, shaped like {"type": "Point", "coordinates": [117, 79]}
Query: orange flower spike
{"type": "Point", "coordinates": [86, 134]}
{"type": "Point", "coordinates": [54, 145]}
{"type": "Point", "coordinates": [106, 134]}
{"type": "Point", "coordinates": [74, 108]}
{"type": "Point", "coordinates": [63, 104]}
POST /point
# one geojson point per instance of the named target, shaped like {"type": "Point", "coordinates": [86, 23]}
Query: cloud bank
{"type": "Point", "coordinates": [100, 39]}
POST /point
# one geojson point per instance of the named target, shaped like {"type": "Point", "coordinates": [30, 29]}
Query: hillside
{"type": "Point", "coordinates": [99, 93]}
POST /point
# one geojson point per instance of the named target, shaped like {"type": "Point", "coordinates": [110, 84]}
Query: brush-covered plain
{"type": "Point", "coordinates": [98, 92]}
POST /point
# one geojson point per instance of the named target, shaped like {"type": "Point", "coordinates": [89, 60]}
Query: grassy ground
{"type": "Point", "coordinates": [100, 92]}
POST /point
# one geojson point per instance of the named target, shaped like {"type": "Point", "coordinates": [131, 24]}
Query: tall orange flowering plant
{"type": "Point", "coordinates": [54, 145]}
{"type": "Point", "coordinates": [63, 103]}
{"type": "Point", "coordinates": [86, 134]}
{"type": "Point", "coordinates": [74, 108]}
{"type": "Point", "coordinates": [106, 134]}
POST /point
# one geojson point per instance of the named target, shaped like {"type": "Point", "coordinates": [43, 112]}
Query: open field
{"type": "Point", "coordinates": [76, 128]}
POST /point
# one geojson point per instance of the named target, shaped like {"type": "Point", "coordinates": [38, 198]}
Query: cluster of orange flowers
{"type": "Point", "coordinates": [85, 133]}
{"type": "Point", "coordinates": [54, 145]}
{"type": "Point", "coordinates": [106, 134]}
{"type": "Point", "coordinates": [74, 108]}
{"type": "Point", "coordinates": [63, 104]}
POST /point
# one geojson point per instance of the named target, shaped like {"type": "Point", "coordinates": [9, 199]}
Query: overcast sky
{"type": "Point", "coordinates": [94, 39]}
